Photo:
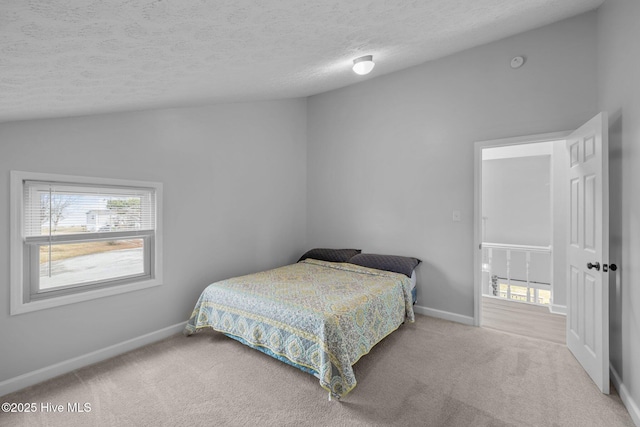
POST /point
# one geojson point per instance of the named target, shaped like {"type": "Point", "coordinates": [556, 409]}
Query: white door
{"type": "Point", "coordinates": [588, 249]}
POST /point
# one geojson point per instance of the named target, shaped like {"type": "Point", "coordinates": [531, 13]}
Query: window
{"type": "Point", "coordinates": [77, 238]}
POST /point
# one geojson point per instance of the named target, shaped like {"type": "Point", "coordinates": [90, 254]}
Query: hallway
{"type": "Point", "coordinates": [523, 319]}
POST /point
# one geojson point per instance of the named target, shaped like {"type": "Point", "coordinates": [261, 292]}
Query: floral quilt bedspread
{"type": "Point", "coordinates": [317, 315]}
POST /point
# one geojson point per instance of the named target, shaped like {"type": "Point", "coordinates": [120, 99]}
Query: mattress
{"type": "Point", "coordinates": [318, 316]}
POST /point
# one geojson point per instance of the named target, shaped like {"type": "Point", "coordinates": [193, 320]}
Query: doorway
{"type": "Point", "coordinates": [520, 265]}
{"type": "Point", "coordinates": [580, 235]}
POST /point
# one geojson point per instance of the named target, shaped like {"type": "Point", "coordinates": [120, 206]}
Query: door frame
{"type": "Point", "coordinates": [477, 193]}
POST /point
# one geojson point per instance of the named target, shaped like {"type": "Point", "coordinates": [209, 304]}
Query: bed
{"type": "Point", "coordinates": [317, 315]}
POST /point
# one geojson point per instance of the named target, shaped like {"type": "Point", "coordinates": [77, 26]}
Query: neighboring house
{"type": "Point", "coordinates": [97, 219]}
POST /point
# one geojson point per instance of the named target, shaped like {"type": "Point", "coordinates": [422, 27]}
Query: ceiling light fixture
{"type": "Point", "coordinates": [363, 65]}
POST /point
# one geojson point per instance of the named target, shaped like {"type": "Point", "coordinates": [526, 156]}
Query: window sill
{"type": "Point", "coordinates": [20, 307]}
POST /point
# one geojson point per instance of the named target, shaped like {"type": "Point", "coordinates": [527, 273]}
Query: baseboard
{"type": "Point", "coordinates": [629, 403]}
{"type": "Point", "coordinates": [43, 374]}
{"type": "Point", "coordinates": [558, 309]}
{"type": "Point", "coordinates": [446, 315]}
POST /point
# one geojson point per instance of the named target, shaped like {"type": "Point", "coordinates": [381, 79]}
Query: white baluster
{"type": "Point", "coordinates": [508, 273]}
{"type": "Point", "coordinates": [528, 261]}
{"type": "Point", "coordinates": [490, 251]}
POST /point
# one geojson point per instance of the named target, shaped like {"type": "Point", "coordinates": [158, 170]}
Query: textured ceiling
{"type": "Point", "coordinates": [74, 57]}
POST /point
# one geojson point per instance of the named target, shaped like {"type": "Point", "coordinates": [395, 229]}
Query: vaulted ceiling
{"type": "Point", "coordinates": [76, 57]}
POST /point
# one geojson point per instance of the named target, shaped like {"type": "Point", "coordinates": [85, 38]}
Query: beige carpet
{"type": "Point", "coordinates": [430, 373]}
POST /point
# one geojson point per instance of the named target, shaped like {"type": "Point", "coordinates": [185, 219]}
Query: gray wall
{"type": "Point", "coordinates": [619, 95]}
{"type": "Point", "coordinates": [234, 203]}
{"type": "Point", "coordinates": [516, 200]}
{"type": "Point", "coordinates": [392, 157]}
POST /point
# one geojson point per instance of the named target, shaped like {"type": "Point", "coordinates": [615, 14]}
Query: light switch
{"type": "Point", "coordinates": [457, 217]}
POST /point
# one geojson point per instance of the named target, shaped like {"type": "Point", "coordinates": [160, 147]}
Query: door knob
{"type": "Point", "coordinates": [611, 267]}
{"type": "Point", "coordinates": [596, 266]}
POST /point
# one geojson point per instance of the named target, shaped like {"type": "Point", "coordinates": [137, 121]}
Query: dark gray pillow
{"type": "Point", "coordinates": [331, 255]}
{"type": "Point", "coordinates": [397, 264]}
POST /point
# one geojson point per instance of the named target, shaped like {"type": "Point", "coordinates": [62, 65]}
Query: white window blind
{"type": "Point", "coordinates": [57, 208]}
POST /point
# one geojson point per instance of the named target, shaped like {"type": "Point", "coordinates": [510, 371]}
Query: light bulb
{"type": "Point", "coordinates": [363, 65]}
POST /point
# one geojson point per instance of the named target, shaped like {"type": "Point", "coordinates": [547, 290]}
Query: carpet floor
{"type": "Point", "coordinates": [428, 373]}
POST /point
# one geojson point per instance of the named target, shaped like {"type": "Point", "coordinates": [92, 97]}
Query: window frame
{"type": "Point", "coordinates": [21, 289]}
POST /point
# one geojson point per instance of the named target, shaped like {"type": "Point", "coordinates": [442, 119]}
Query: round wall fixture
{"type": "Point", "coordinates": [517, 62]}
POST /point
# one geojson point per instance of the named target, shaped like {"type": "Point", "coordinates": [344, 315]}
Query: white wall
{"type": "Point", "coordinates": [516, 210]}
{"type": "Point", "coordinates": [560, 197]}
{"type": "Point", "coordinates": [234, 202]}
{"type": "Point", "coordinates": [516, 200]}
{"type": "Point", "coordinates": [619, 95]}
{"type": "Point", "coordinates": [392, 157]}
